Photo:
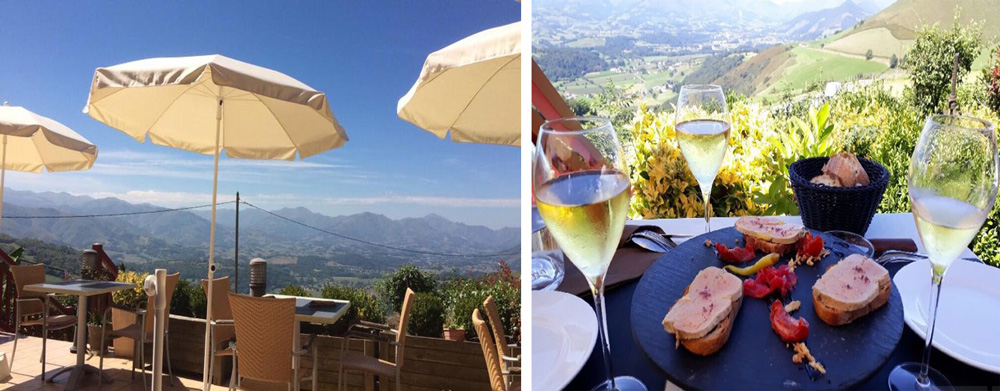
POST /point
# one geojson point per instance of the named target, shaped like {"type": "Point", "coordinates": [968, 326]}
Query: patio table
{"type": "Point", "coordinates": [628, 358]}
{"type": "Point", "coordinates": [82, 289]}
{"type": "Point", "coordinates": [305, 311]}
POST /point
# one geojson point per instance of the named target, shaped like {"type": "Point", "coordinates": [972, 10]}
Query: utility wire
{"type": "Point", "coordinates": [118, 214]}
{"type": "Point", "coordinates": [379, 244]}
{"type": "Point", "coordinates": [507, 252]}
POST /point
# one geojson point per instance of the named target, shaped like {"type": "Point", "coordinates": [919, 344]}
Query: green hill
{"type": "Point", "coordinates": [756, 73]}
{"type": "Point", "coordinates": [893, 29]}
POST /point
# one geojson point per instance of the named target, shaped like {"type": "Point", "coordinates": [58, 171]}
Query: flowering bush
{"type": "Point", "coordinates": [663, 186]}
{"type": "Point", "coordinates": [991, 78]}
{"type": "Point", "coordinates": [463, 296]}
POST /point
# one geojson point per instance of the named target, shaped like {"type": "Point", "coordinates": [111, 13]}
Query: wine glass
{"type": "Point", "coordinates": [582, 192]}
{"type": "Point", "coordinates": [702, 124]}
{"type": "Point", "coordinates": [952, 185]}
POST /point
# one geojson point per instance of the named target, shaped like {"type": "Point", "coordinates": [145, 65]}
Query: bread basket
{"type": "Point", "coordinates": [825, 208]}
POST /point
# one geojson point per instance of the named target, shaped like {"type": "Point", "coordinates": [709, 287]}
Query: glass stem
{"type": "Point", "coordinates": [597, 290]}
{"type": "Point", "coordinates": [706, 195]}
{"type": "Point", "coordinates": [923, 381]}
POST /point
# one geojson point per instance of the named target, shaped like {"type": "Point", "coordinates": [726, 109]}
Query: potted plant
{"type": "Point", "coordinates": [453, 331]}
{"type": "Point", "coordinates": [122, 312]}
{"type": "Point", "coordinates": [95, 332]}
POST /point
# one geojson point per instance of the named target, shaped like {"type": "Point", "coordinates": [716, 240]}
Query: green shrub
{"type": "Point", "coordinates": [427, 316]}
{"type": "Point", "coordinates": [130, 297]}
{"type": "Point", "coordinates": [294, 290]}
{"type": "Point", "coordinates": [463, 296]}
{"type": "Point", "coordinates": [188, 300]}
{"type": "Point", "coordinates": [392, 289]}
{"type": "Point", "coordinates": [932, 57]}
{"type": "Point", "coordinates": [364, 305]}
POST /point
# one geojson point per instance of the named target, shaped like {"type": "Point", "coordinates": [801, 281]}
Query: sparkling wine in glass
{"type": "Point", "coordinates": [702, 125]}
{"type": "Point", "coordinates": [582, 192]}
{"type": "Point", "coordinates": [952, 185]}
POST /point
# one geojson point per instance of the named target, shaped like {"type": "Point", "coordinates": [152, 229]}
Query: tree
{"type": "Point", "coordinates": [393, 287]}
{"type": "Point", "coordinates": [869, 55]}
{"type": "Point", "coordinates": [931, 60]}
{"type": "Point", "coordinates": [893, 61]}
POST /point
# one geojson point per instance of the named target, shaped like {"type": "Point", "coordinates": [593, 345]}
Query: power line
{"type": "Point", "coordinates": [120, 214]}
{"type": "Point", "coordinates": [504, 253]}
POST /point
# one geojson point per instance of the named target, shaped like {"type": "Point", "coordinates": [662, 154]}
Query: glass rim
{"type": "Point", "coordinates": [702, 87]}
{"type": "Point", "coordinates": [937, 118]}
{"type": "Point", "coordinates": [601, 121]}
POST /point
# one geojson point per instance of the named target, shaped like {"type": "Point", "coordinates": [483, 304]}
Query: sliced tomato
{"type": "Point", "coordinates": [788, 328]}
{"type": "Point", "coordinates": [736, 254]}
{"type": "Point", "coordinates": [810, 245]}
{"type": "Point", "coordinates": [755, 289]}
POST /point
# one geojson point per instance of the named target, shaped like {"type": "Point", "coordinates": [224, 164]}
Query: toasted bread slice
{"type": "Point", "coordinates": [703, 317]}
{"type": "Point", "coordinates": [768, 247]}
{"type": "Point", "coordinates": [852, 288]}
{"type": "Point", "coordinates": [769, 229]}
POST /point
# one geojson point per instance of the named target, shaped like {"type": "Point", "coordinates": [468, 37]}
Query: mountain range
{"type": "Point", "coordinates": [816, 24]}
{"type": "Point", "coordinates": [181, 237]}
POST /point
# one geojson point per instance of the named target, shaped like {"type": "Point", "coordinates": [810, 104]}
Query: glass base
{"type": "Point", "coordinates": [622, 383]}
{"type": "Point", "coordinates": [904, 378]}
{"type": "Point", "coordinates": [547, 270]}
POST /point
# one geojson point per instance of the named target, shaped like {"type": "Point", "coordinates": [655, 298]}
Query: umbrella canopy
{"type": "Point", "coordinates": [211, 104]}
{"type": "Point", "coordinates": [32, 142]}
{"type": "Point", "coordinates": [174, 102]}
{"type": "Point", "coordinates": [471, 87]}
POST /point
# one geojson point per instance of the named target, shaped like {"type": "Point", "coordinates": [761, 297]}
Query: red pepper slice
{"type": "Point", "coordinates": [736, 254]}
{"type": "Point", "coordinates": [788, 328]}
{"type": "Point", "coordinates": [769, 280]}
{"type": "Point", "coordinates": [810, 245]}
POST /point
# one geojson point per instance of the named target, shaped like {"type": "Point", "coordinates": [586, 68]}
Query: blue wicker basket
{"type": "Point", "coordinates": [826, 208]}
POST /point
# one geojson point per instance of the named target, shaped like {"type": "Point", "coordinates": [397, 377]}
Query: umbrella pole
{"type": "Point", "coordinates": [211, 250]}
{"type": "Point", "coordinates": [3, 173]}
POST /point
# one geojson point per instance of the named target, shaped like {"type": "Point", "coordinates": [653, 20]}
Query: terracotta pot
{"type": "Point", "coordinates": [453, 334]}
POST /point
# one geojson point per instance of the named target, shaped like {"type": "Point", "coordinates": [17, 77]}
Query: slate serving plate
{"type": "Point", "coordinates": [754, 357]}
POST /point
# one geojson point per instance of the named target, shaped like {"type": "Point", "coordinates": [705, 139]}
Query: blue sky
{"type": "Point", "coordinates": [364, 55]}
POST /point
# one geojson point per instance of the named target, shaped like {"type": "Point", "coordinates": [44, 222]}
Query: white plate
{"type": "Point", "coordinates": [968, 312]}
{"type": "Point", "coordinates": [563, 333]}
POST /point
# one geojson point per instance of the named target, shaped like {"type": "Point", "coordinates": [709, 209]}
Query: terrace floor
{"type": "Point", "coordinates": [27, 370]}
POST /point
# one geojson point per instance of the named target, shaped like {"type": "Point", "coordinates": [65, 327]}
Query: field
{"type": "Point", "coordinates": [814, 66]}
{"type": "Point", "coordinates": [880, 40]}
{"type": "Point", "coordinates": [586, 43]}
{"type": "Point", "coordinates": [643, 75]}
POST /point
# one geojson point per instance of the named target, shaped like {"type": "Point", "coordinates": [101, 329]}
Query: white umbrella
{"type": "Point", "coordinates": [472, 88]}
{"type": "Point", "coordinates": [32, 142]}
{"type": "Point", "coordinates": [211, 104]}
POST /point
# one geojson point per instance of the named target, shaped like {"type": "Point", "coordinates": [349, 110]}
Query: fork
{"type": "Point", "coordinates": [896, 256]}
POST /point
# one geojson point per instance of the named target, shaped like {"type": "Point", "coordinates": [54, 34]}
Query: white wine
{"type": "Point", "coordinates": [946, 226]}
{"type": "Point", "coordinates": [585, 211]}
{"type": "Point", "coordinates": [703, 143]}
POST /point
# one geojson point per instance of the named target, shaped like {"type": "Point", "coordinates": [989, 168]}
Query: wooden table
{"type": "Point", "coordinates": [82, 289]}
{"type": "Point", "coordinates": [306, 312]}
{"type": "Point", "coordinates": [628, 359]}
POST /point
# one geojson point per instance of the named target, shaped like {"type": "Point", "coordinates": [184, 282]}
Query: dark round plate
{"type": "Point", "coordinates": [754, 357]}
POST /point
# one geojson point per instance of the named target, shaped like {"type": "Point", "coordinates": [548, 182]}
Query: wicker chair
{"type": "Point", "coordinates": [142, 332]}
{"type": "Point", "coordinates": [222, 328]}
{"type": "Point", "coordinates": [510, 366]}
{"type": "Point", "coordinates": [360, 362]}
{"type": "Point", "coordinates": [491, 356]}
{"type": "Point", "coordinates": [34, 308]}
{"type": "Point", "coordinates": [264, 329]}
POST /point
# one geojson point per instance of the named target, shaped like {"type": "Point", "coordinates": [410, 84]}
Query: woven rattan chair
{"type": "Point", "coordinates": [34, 308]}
{"type": "Point", "coordinates": [142, 332]}
{"type": "Point", "coordinates": [222, 328]}
{"type": "Point", "coordinates": [497, 382]}
{"type": "Point", "coordinates": [510, 366]}
{"type": "Point", "coordinates": [264, 329]}
{"type": "Point", "coordinates": [355, 361]}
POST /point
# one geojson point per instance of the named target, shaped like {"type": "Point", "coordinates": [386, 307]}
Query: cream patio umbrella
{"type": "Point", "coordinates": [211, 104]}
{"type": "Point", "coordinates": [471, 87]}
{"type": "Point", "coordinates": [32, 142]}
